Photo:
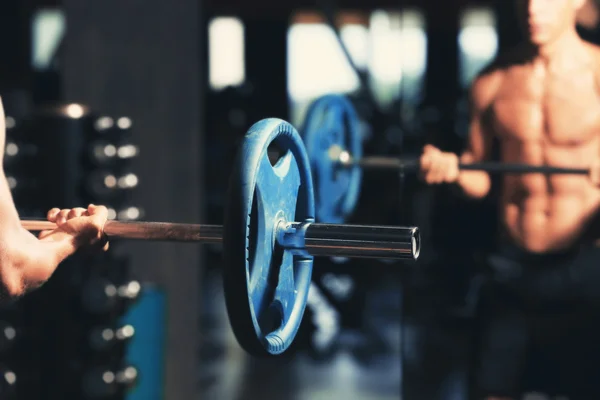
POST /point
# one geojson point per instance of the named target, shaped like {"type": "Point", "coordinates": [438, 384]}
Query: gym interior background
{"type": "Point", "coordinates": [141, 106]}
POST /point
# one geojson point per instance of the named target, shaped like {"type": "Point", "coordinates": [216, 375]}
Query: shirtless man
{"type": "Point", "coordinates": [27, 261]}
{"type": "Point", "coordinates": [540, 104]}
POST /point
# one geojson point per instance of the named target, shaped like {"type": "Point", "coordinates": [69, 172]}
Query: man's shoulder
{"type": "Point", "coordinates": [504, 61]}
{"type": "Point", "coordinates": [593, 52]}
{"type": "Point", "coordinates": [489, 76]}
{"type": "Point", "coordinates": [485, 85]}
{"type": "Point", "coordinates": [488, 81]}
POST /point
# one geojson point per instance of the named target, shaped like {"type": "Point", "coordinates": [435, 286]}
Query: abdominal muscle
{"type": "Point", "coordinates": [547, 223]}
{"type": "Point", "coordinates": [548, 213]}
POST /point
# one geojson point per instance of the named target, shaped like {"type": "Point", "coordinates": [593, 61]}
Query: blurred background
{"type": "Point", "coordinates": [140, 105]}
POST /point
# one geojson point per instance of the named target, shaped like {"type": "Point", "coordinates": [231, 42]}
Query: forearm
{"type": "Point", "coordinates": [474, 184]}
{"type": "Point", "coordinates": [27, 262]}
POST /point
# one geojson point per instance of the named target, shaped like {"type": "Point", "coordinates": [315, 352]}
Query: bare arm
{"type": "Point", "coordinates": [477, 184]}
{"type": "Point", "coordinates": [589, 14]}
{"type": "Point", "coordinates": [25, 261]}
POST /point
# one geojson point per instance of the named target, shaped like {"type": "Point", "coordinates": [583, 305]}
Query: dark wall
{"type": "Point", "coordinates": [142, 59]}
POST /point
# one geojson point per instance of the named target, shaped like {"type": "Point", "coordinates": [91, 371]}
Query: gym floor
{"type": "Point", "coordinates": [226, 372]}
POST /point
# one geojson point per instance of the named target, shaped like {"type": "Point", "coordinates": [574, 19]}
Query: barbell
{"type": "Point", "coordinates": [269, 238]}
{"type": "Point", "coordinates": [332, 135]}
{"type": "Point", "coordinates": [402, 164]}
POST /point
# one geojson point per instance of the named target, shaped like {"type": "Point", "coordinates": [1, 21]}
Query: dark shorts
{"type": "Point", "coordinates": [539, 325]}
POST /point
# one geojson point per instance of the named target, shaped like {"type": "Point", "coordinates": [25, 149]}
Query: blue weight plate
{"type": "Point", "coordinates": [331, 122]}
{"type": "Point", "coordinates": [266, 286]}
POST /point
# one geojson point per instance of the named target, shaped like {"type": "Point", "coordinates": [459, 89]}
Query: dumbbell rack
{"type": "Point", "coordinates": [83, 349]}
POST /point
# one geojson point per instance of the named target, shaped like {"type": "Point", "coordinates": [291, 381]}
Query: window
{"type": "Point", "coordinates": [390, 46]}
{"type": "Point", "coordinates": [317, 64]}
{"type": "Point", "coordinates": [48, 30]}
{"type": "Point", "coordinates": [398, 54]}
{"type": "Point", "coordinates": [477, 41]}
{"type": "Point", "coordinates": [226, 52]}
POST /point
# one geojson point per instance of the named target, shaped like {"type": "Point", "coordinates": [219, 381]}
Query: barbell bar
{"type": "Point", "coordinates": [332, 135]}
{"type": "Point", "coordinates": [328, 240]}
{"type": "Point", "coordinates": [152, 231]}
{"type": "Point", "coordinates": [400, 164]}
{"type": "Point", "coordinates": [270, 237]}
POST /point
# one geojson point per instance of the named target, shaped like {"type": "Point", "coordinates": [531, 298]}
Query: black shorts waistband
{"type": "Point", "coordinates": [515, 253]}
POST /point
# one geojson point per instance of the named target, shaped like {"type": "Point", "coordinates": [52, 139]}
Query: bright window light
{"type": "Point", "coordinates": [477, 41]}
{"type": "Point", "coordinates": [226, 52]}
{"type": "Point", "coordinates": [48, 30]}
{"type": "Point", "coordinates": [316, 64]}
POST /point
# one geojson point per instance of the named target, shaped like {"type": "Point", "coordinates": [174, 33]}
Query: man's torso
{"type": "Point", "coordinates": [548, 117]}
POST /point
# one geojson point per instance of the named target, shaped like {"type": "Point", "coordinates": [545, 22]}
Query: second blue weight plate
{"type": "Point", "coordinates": [331, 122]}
